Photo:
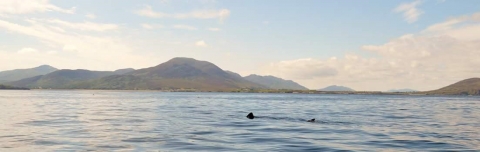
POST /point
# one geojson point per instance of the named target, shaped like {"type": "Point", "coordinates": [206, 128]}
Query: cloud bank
{"type": "Point", "coordinates": [441, 54]}
{"type": "Point", "coordinates": [30, 6]}
{"type": "Point", "coordinates": [221, 14]}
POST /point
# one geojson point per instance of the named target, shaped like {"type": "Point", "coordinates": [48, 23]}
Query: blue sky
{"type": "Point", "coordinates": [316, 43]}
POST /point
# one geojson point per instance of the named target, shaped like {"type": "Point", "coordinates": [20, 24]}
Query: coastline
{"type": "Point", "coordinates": [263, 91]}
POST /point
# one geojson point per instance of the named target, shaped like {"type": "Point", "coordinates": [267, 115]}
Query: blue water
{"type": "Point", "coordinates": [159, 121]}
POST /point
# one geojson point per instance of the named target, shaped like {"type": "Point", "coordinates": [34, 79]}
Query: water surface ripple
{"type": "Point", "coordinates": [158, 121]}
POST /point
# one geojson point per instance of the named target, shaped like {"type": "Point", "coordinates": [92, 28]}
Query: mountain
{"type": "Point", "coordinates": [274, 82]}
{"type": "Point", "coordinates": [13, 75]}
{"type": "Point", "coordinates": [177, 73]}
{"type": "Point", "coordinates": [402, 90]}
{"type": "Point", "coordinates": [336, 88]}
{"type": "Point", "coordinates": [5, 87]}
{"type": "Point", "coordinates": [123, 71]}
{"type": "Point", "coordinates": [465, 87]}
{"type": "Point", "coordinates": [61, 79]}
{"type": "Point", "coordinates": [236, 75]}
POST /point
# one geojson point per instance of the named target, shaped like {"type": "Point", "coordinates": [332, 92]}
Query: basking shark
{"type": "Point", "coordinates": [251, 116]}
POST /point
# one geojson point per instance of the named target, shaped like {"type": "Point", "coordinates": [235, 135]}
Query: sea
{"type": "Point", "coordinates": [92, 120]}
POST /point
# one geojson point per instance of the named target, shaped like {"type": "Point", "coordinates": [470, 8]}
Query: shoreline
{"type": "Point", "coordinates": [264, 92]}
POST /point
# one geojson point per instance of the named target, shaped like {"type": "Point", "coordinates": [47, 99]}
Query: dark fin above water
{"type": "Point", "coordinates": [311, 120]}
{"type": "Point", "coordinates": [250, 116]}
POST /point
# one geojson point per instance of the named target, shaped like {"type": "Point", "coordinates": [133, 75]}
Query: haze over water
{"type": "Point", "coordinates": [159, 121]}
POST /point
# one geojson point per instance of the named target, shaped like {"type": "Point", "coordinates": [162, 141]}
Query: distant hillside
{"type": "Point", "coordinates": [274, 82]}
{"type": "Point", "coordinates": [61, 79]}
{"type": "Point", "coordinates": [236, 75]}
{"type": "Point", "coordinates": [177, 73]}
{"type": "Point", "coordinates": [402, 90]}
{"type": "Point", "coordinates": [123, 71]}
{"type": "Point", "coordinates": [5, 87]}
{"type": "Point", "coordinates": [336, 88]}
{"type": "Point", "coordinates": [13, 75]}
{"type": "Point", "coordinates": [465, 87]}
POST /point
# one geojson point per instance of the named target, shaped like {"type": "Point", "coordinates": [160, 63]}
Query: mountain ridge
{"type": "Point", "coordinates": [190, 74]}
{"type": "Point", "coordinates": [273, 82]}
{"type": "Point", "coordinates": [177, 73]}
{"type": "Point", "coordinates": [60, 79]}
{"type": "Point", "coordinates": [18, 74]}
{"type": "Point", "coordinates": [336, 88]}
{"type": "Point", "coordinates": [470, 86]}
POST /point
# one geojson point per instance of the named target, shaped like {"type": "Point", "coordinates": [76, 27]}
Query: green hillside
{"type": "Point", "coordinates": [274, 82]}
{"type": "Point", "coordinates": [465, 87]}
{"type": "Point", "coordinates": [6, 87]}
{"type": "Point", "coordinates": [177, 73]}
{"type": "Point", "coordinates": [60, 79]}
{"type": "Point", "coordinates": [123, 71]}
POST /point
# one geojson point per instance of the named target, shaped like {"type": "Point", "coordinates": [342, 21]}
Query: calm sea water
{"type": "Point", "coordinates": [159, 121]}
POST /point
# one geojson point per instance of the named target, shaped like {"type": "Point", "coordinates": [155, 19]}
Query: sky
{"type": "Point", "coordinates": [373, 45]}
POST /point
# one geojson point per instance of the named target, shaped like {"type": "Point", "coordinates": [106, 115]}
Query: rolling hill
{"type": "Point", "coordinates": [18, 74]}
{"type": "Point", "coordinates": [5, 87]}
{"type": "Point", "coordinates": [336, 88]}
{"type": "Point", "coordinates": [465, 87]}
{"type": "Point", "coordinates": [123, 71]}
{"type": "Point", "coordinates": [177, 73]}
{"type": "Point", "coordinates": [236, 75]}
{"type": "Point", "coordinates": [274, 82]}
{"type": "Point", "coordinates": [61, 79]}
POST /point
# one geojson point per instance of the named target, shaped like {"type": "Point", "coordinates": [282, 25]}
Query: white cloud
{"type": "Point", "coordinates": [27, 51]}
{"type": "Point", "coordinates": [52, 52]}
{"type": "Point", "coordinates": [440, 55]}
{"type": "Point", "coordinates": [221, 14]}
{"type": "Point", "coordinates": [214, 29]}
{"type": "Point", "coordinates": [447, 25]}
{"type": "Point", "coordinates": [148, 12]}
{"type": "Point", "coordinates": [201, 43]}
{"type": "Point", "coordinates": [462, 28]}
{"type": "Point", "coordinates": [147, 26]}
{"type": "Point", "coordinates": [91, 16]}
{"type": "Point", "coordinates": [207, 1]}
{"type": "Point", "coordinates": [71, 48]}
{"type": "Point", "coordinates": [302, 69]}
{"type": "Point", "coordinates": [84, 26]}
{"type": "Point", "coordinates": [151, 26]}
{"type": "Point", "coordinates": [83, 50]}
{"type": "Point", "coordinates": [184, 27]}
{"type": "Point", "coordinates": [410, 11]}
{"type": "Point", "coordinates": [30, 6]}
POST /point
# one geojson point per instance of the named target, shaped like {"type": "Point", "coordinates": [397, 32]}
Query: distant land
{"type": "Point", "coordinates": [336, 88]}
{"type": "Point", "coordinates": [18, 74]}
{"type": "Point", "coordinates": [175, 74]}
{"type": "Point", "coordinates": [5, 87]}
{"type": "Point", "coordinates": [274, 82]}
{"type": "Point", "coordinates": [123, 71]}
{"type": "Point", "coordinates": [60, 79]}
{"type": "Point", "coordinates": [465, 87]}
{"type": "Point", "coordinates": [186, 75]}
{"type": "Point", "coordinates": [402, 90]}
